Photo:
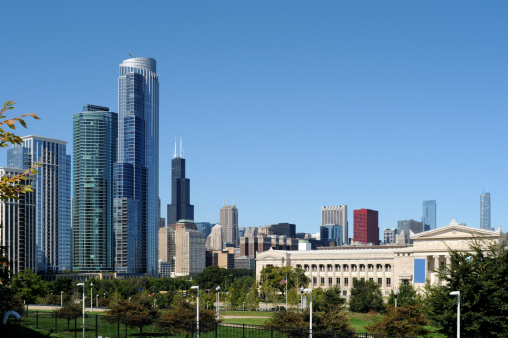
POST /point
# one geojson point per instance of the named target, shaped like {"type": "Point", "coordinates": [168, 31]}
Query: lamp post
{"type": "Point", "coordinates": [61, 298]}
{"type": "Point", "coordinates": [457, 293]}
{"type": "Point", "coordinates": [83, 285]}
{"type": "Point", "coordinates": [218, 298]}
{"type": "Point", "coordinates": [395, 293]}
{"type": "Point", "coordinates": [97, 300]}
{"type": "Point", "coordinates": [197, 310]}
{"type": "Point", "coordinates": [91, 297]}
{"type": "Point", "coordinates": [310, 325]}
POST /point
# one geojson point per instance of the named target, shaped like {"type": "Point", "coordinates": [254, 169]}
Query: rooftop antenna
{"type": "Point", "coordinates": [181, 148]}
{"type": "Point", "coordinates": [174, 152]}
{"type": "Point", "coordinates": [132, 56]}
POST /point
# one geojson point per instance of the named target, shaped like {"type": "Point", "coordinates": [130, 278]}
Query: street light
{"type": "Point", "coordinates": [91, 297]}
{"type": "Point", "coordinates": [218, 295]}
{"type": "Point", "coordinates": [197, 310]}
{"type": "Point", "coordinates": [310, 325]}
{"type": "Point", "coordinates": [83, 285]}
{"type": "Point", "coordinates": [395, 293]}
{"type": "Point", "coordinates": [457, 293]}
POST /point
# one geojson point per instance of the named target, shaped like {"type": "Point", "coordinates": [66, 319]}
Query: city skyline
{"type": "Point", "coordinates": [256, 88]}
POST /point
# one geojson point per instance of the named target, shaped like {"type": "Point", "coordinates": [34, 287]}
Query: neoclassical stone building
{"type": "Point", "coordinates": [388, 266]}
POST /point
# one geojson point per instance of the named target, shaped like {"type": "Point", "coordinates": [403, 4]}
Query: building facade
{"type": "Point", "coordinates": [95, 133]}
{"type": "Point", "coordinates": [17, 233]}
{"type": "Point", "coordinates": [406, 228]}
{"type": "Point", "coordinates": [366, 229]}
{"type": "Point", "coordinates": [53, 202]}
{"type": "Point", "coordinates": [388, 267]}
{"type": "Point", "coordinates": [214, 240]}
{"type": "Point", "coordinates": [331, 233]}
{"type": "Point", "coordinates": [336, 215]}
{"type": "Point", "coordinates": [190, 256]}
{"type": "Point", "coordinates": [485, 211]}
{"type": "Point", "coordinates": [180, 207]}
{"type": "Point", "coordinates": [229, 223]}
{"type": "Point", "coordinates": [390, 236]}
{"type": "Point", "coordinates": [136, 188]}
{"type": "Point", "coordinates": [429, 215]}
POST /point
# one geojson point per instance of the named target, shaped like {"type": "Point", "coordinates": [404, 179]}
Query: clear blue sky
{"type": "Point", "coordinates": [289, 105]}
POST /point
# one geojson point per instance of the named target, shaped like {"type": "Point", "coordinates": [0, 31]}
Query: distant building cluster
{"type": "Point", "coordinates": [111, 225]}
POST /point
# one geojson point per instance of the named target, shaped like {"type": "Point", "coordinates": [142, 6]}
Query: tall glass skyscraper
{"type": "Point", "coordinates": [94, 143]}
{"type": "Point", "coordinates": [485, 211]}
{"type": "Point", "coordinates": [53, 202]}
{"type": "Point", "coordinates": [136, 185]}
{"type": "Point", "coordinates": [429, 215]}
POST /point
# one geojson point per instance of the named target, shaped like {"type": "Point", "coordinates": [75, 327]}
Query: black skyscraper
{"type": "Point", "coordinates": [180, 207]}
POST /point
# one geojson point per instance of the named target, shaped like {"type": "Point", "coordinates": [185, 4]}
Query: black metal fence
{"type": "Point", "coordinates": [97, 325]}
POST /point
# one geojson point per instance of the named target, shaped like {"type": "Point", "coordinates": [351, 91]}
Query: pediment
{"type": "Point", "coordinates": [455, 232]}
{"type": "Point", "coordinates": [270, 255]}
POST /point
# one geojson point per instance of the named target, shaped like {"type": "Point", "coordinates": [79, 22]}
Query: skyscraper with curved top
{"type": "Point", "coordinates": [136, 186]}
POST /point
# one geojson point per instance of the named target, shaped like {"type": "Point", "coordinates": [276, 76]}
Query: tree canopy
{"type": "Point", "coordinates": [481, 277]}
{"type": "Point", "coordinates": [403, 320]}
{"type": "Point", "coordinates": [365, 297]}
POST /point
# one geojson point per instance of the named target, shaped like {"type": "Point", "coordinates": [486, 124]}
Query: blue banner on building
{"type": "Point", "coordinates": [419, 272]}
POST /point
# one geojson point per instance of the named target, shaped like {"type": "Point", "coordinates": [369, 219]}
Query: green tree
{"type": "Point", "coordinates": [403, 320]}
{"type": "Point", "coordinates": [69, 312]}
{"type": "Point", "coordinates": [182, 319]}
{"type": "Point", "coordinates": [252, 298]}
{"type": "Point", "coordinates": [273, 276]}
{"type": "Point", "coordinates": [322, 299]}
{"type": "Point", "coordinates": [365, 297]}
{"type": "Point", "coordinates": [211, 277]}
{"type": "Point", "coordinates": [29, 286]}
{"type": "Point", "coordinates": [61, 284]}
{"type": "Point", "coordinates": [293, 296]}
{"type": "Point", "coordinates": [480, 274]}
{"type": "Point", "coordinates": [295, 322]}
{"type": "Point", "coordinates": [407, 295]}
{"type": "Point", "coordinates": [131, 314]}
{"type": "Point", "coordinates": [11, 187]}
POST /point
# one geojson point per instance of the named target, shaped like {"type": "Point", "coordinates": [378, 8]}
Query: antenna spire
{"type": "Point", "coordinates": [174, 152]}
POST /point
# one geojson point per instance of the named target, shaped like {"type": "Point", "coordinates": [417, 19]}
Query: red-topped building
{"type": "Point", "coordinates": [366, 228]}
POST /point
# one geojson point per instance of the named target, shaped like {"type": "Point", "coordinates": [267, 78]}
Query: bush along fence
{"type": "Point", "coordinates": [116, 327]}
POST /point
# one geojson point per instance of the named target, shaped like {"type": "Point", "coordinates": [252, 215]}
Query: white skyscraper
{"type": "Point", "coordinates": [336, 215]}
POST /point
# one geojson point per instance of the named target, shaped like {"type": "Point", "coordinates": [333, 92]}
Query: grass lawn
{"type": "Point", "coordinates": [360, 320]}
{"type": "Point", "coordinates": [249, 321]}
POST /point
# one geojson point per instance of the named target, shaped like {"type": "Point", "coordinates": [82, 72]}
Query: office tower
{"type": "Point", "coordinates": [204, 227]}
{"type": "Point", "coordinates": [336, 215]}
{"type": "Point", "coordinates": [17, 233]}
{"type": "Point", "coordinates": [408, 227]}
{"type": "Point", "coordinates": [180, 207]}
{"type": "Point", "coordinates": [485, 211]}
{"type": "Point", "coordinates": [389, 235]}
{"type": "Point", "coordinates": [229, 223]}
{"type": "Point", "coordinates": [94, 142]}
{"type": "Point", "coordinates": [331, 233]}
{"type": "Point", "coordinates": [53, 189]}
{"type": "Point", "coordinates": [429, 215]}
{"type": "Point", "coordinates": [190, 256]}
{"type": "Point", "coordinates": [366, 229]}
{"type": "Point", "coordinates": [136, 186]}
{"type": "Point", "coordinates": [214, 240]}
{"type": "Point", "coordinates": [284, 229]}
{"type": "Point", "coordinates": [167, 250]}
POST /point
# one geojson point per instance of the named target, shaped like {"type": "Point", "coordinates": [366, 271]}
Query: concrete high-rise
{"type": "Point", "coordinates": [229, 223]}
{"type": "Point", "coordinates": [366, 229]}
{"type": "Point", "coordinates": [336, 215]}
{"type": "Point", "coordinates": [17, 233]}
{"type": "Point", "coordinates": [429, 215]}
{"type": "Point", "coordinates": [180, 207]}
{"type": "Point", "coordinates": [95, 138]}
{"type": "Point", "coordinates": [53, 189]}
{"type": "Point", "coordinates": [485, 211]}
{"type": "Point", "coordinates": [407, 228]}
{"type": "Point", "coordinates": [136, 186]}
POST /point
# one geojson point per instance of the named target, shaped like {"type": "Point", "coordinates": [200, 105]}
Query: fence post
{"type": "Point", "coordinates": [118, 326]}
{"type": "Point", "coordinates": [271, 331]}
{"type": "Point", "coordinates": [243, 330]}
{"type": "Point", "coordinates": [216, 328]}
{"type": "Point", "coordinates": [37, 319]}
{"type": "Point", "coordinates": [125, 329]}
{"type": "Point", "coordinates": [75, 328]}
{"type": "Point", "coordinates": [96, 327]}
{"type": "Point", "coordinates": [56, 324]}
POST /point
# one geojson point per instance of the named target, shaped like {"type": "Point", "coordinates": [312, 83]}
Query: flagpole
{"type": "Point", "coordinates": [286, 291]}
